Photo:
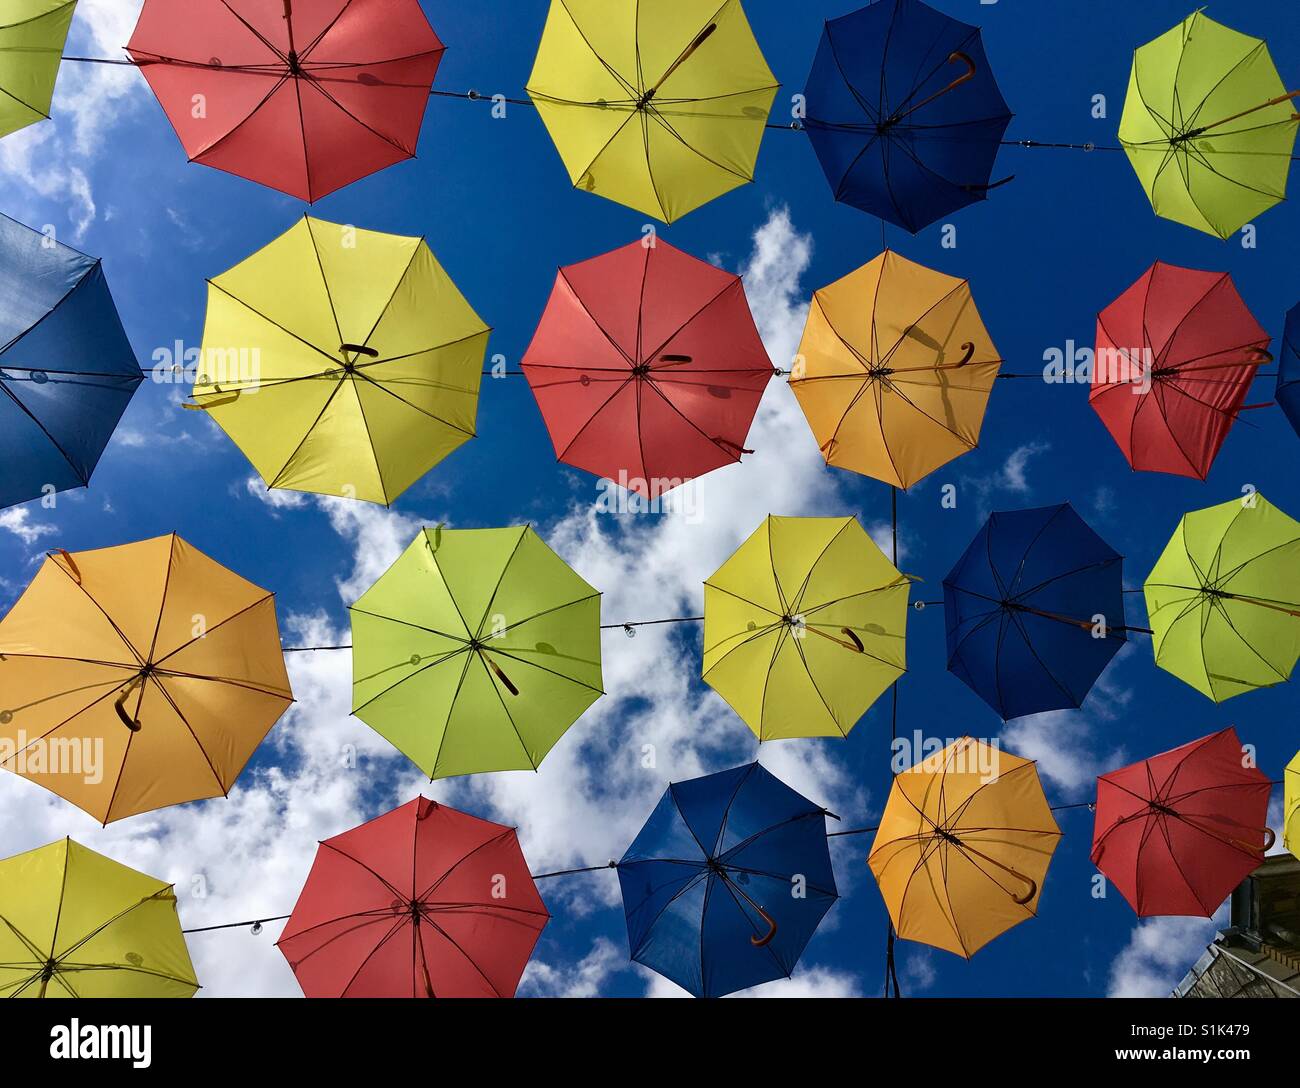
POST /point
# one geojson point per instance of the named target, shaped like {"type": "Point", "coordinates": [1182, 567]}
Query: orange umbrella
{"type": "Point", "coordinates": [138, 677]}
{"type": "Point", "coordinates": [895, 370]}
{"type": "Point", "coordinates": [963, 847]}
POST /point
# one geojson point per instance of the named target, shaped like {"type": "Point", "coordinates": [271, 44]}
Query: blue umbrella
{"type": "Point", "coordinates": [727, 882]}
{"type": "Point", "coordinates": [1035, 611]}
{"type": "Point", "coordinates": [904, 113]}
{"type": "Point", "coordinates": [1288, 371]}
{"type": "Point", "coordinates": [67, 371]}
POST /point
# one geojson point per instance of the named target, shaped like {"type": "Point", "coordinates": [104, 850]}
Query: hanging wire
{"type": "Point", "coordinates": [631, 627]}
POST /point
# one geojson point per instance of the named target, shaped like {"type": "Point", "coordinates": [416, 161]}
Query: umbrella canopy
{"type": "Point", "coordinates": [1288, 374]}
{"type": "Point", "coordinates": [423, 901]}
{"type": "Point", "coordinates": [1176, 354]}
{"type": "Point", "coordinates": [303, 96]}
{"type": "Point", "coordinates": [32, 37]}
{"type": "Point", "coordinates": [805, 627]}
{"type": "Point", "coordinates": [963, 847]}
{"type": "Point", "coordinates": [138, 677]}
{"type": "Point", "coordinates": [78, 924]}
{"type": "Point", "coordinates": [727, 882]}
{"type": "Point", "coordinates": [476, 651]}
{"type": "Point", "coordinates": [1208, 126]}
{"type": "Point", "coordinates": [341, 361]}
{"type": "Point", "coordinates": [658, 107]}
{"type": "Point", "coordinates": [648, 367]}
{"type": "Point", "coordinates": [1224, 598]}
{"type": "Point", "coordinates": [67, 371]}
{"type": "Point", "coordinates": [1291, 806]}
{"type": "Point", "coordinates": [904, 112]}
{"type": "Point", "coordinates": [895, 370]}
{"type": "Point", "coordinates": [1034, 611]}
{"type": "Point", "coordinates": [1177, 832]}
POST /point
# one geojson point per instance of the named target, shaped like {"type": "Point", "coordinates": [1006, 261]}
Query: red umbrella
{"type": "Point", "coordinates": [647, 367]}
{"type": "Point", "coordinates": [1176, 354]}
{"type": "Point", "coordinates": [424, 901]}
{"type": "Point", "coordinates": [305, 96]}
{"type": "Point", "coordinates": [1177, 832]}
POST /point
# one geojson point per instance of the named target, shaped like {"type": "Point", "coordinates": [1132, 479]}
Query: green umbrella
{"type": "Point", "coordinates": [1208, 126]}
{"type": "Point", "coordinates": [476, 651]}
{"type": "Point", "coordinates": [1224, 598]}
{"type": "Point", "coordinates": [32, 35]}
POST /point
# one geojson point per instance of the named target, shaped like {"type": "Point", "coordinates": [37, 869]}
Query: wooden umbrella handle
{"type": "Point", "coordinates": [770, 935]}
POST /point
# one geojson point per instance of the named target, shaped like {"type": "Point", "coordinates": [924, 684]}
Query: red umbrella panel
{"type": "Point", "coordinates": [1176, 354]}
{"type": "Point", "coordinates": [647, 367]}
{"type": "Point", "coordinates": [424, 901]}
{"type": "Point", "coordinates": [304, 96]}
{"type": "Point", "coordinates": [1177, 832]}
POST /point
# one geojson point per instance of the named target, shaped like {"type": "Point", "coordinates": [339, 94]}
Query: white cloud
{"type": "Point", "coordinates": [586, 978]}
{"type": "Point", "coordinates": [53, 159]}
{"type": "Point", "coordinates": [18, 520]}
{"type": "Point", "coordinates": [1012, 478]}
{"type": "Point", "coordinates": [1065, 742]}
{"type": "Point", "coordinates": [807, 981]}
{"type": "Point", "coordinates": [1159, 953]}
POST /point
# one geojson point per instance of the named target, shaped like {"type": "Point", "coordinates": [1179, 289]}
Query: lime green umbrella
{"type": "Point", "coordinates": [32, 34]}
{"type": "Point", "coordinates": [1224, 598]}
{"type": "Point", "coordinates": [476, 651]}
{"type": "Point", "coordinates": [74, 923]}
{"type": "Point", "coordinates": [1208, 126]}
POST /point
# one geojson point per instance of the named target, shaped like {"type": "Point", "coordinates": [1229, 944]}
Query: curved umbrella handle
{"type": "Point", "coordinates": [1270, 839]}
{"type": "Point", "coordinates": [770, 935]}
{"type": "Point", "coordinates": [856, 641]}
{"type": "Point", "coordinates": [1033, 890]}
{"type": "Point", "coordinates": [1263, 357]}
{"type": "Point", "coordinates": [955, 57]}
{"type": "Point", "coordinates": [359, 349]}
{"type": "Point", "coordinates": [120, 707]}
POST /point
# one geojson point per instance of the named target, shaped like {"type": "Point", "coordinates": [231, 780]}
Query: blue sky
{"type": "Point", "coordinates": [1043, 255]}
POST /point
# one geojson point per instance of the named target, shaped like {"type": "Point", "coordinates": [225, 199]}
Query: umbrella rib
{"type": "Point", "coordinates": [541, 668]}
{"type": "Point", "coordinates": [382, 386]}
{"type": "Point", "coordinates": [796, 601]}
{"type": "Point", "coordinates": [79, 473]}
{"type": "Point", "coordinates": [316, 86]}
{"type": "Point", "coordinates": [813, 681]}
{"type": "Point", "coordinates": [169, 890]}
{"type": "Point", "coordinates": [225, 790]}
{"type": "Point", "coordinates": [618, 77]}
{"type": "Point", "coordinates": [652, 384]}
{"type": "Point", "coordinates": [608, 401]}
{"type": "Point", "coordinates": [494, 840]}
{"type": "Point", "coordinates": [782, 632]}
{"type": "Point", "coordinates": [288, 332]}
{"type": "Point", "coordinates": [215, 627]}
{"type": "Point", "coordinates": [577, 297]}
{"type": "Point", "coordinates": [365, 423]}
{"type": "Point", "coordinates": [306, 435]}
{"type": "Point", "coordinates": [111, 622]}
{"type": "Point", "coordinates": [456, 945]}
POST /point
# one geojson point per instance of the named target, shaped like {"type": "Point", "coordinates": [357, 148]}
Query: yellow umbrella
{"type": "Point", "coordinates": [341, 361]}
{"type": "Point", "coordinates": [895, 370]}
{"type": "Point", "coordinates": [138, 677]}
{"type": "Point", "coordinates": [963, 847]}
{"type": "Point", "coordinates": [804, 627]}
{"type": "Point", "coordinates": [1291, 806]}
{"type": "Point", "coordinates": [74, 923]}
{"type": "Point", "coordinates": [660, 107]}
